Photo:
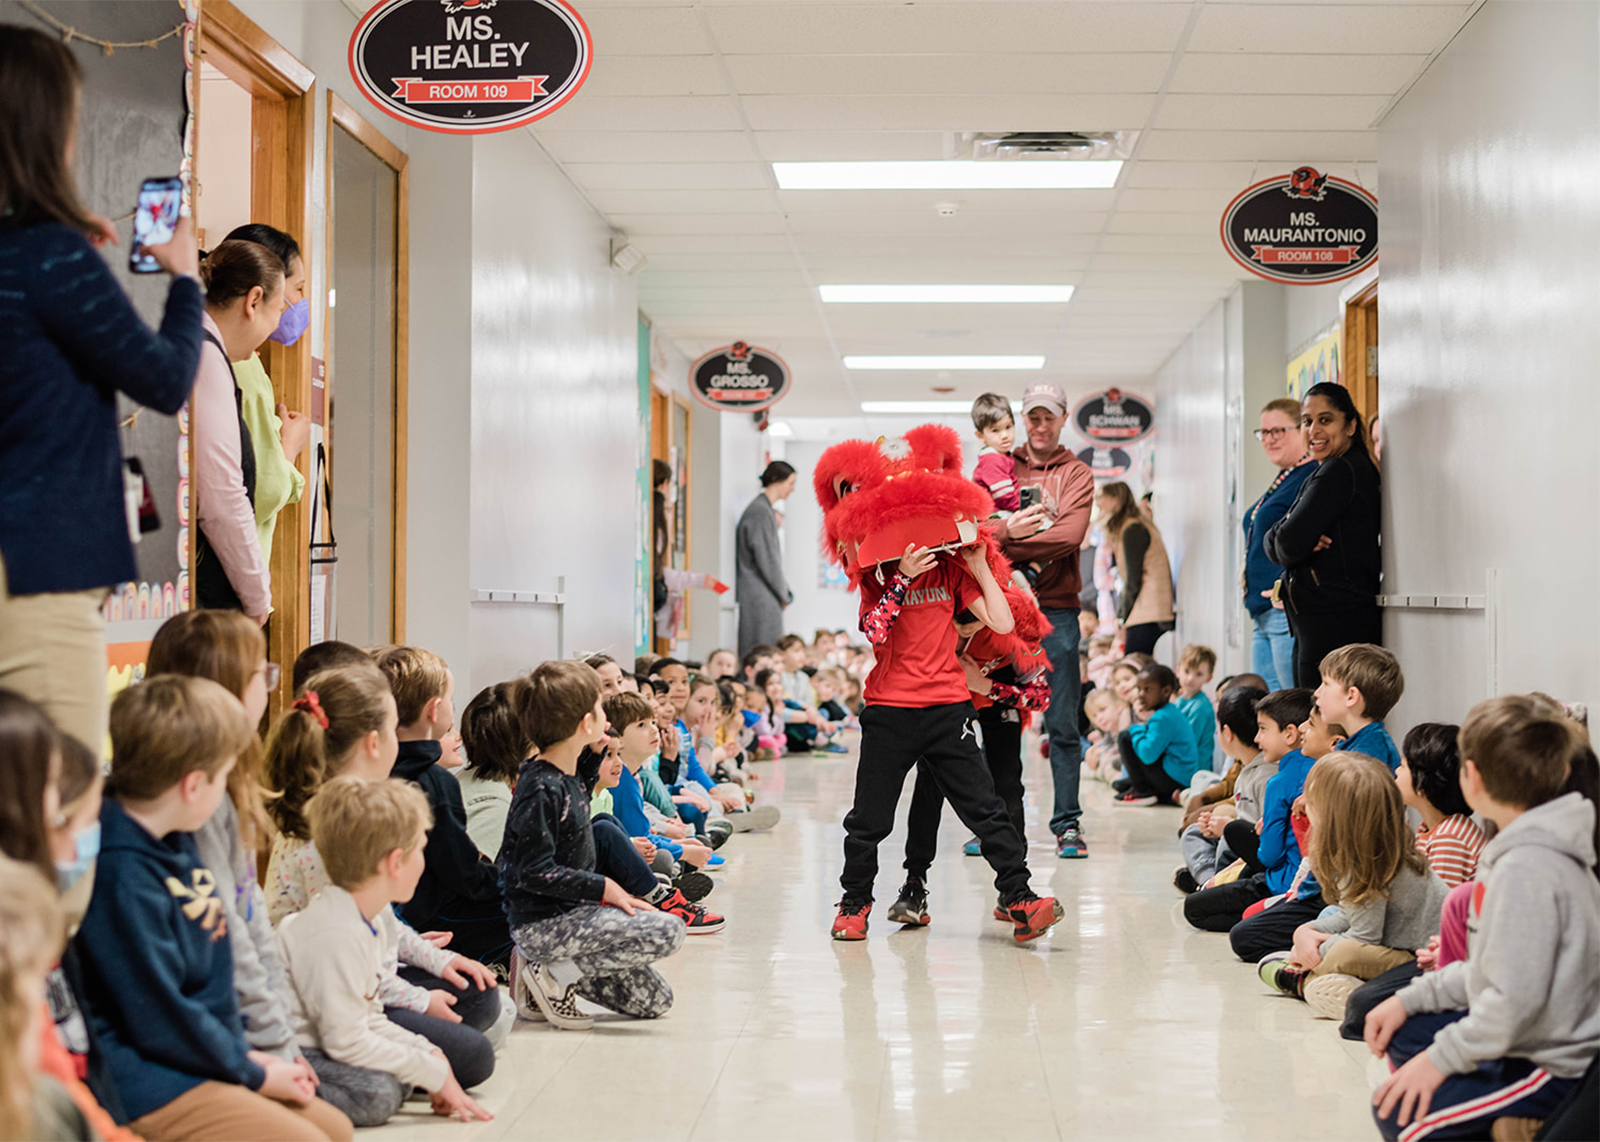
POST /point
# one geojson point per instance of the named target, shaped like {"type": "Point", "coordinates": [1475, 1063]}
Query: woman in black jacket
{"type": "Point", "coordinates": [1328, 544]}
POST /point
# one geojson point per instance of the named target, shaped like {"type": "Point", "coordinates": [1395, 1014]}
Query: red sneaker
{"type": "Point", "coordinates": [698, 921]}
{"type": "Point", "coordinates": [851, 923]}
{"type": "Point", "coordinates": [1035, 917]}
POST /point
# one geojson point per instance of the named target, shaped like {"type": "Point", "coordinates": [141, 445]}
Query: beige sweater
{"type": "Point", "coordinates": [334, 960]}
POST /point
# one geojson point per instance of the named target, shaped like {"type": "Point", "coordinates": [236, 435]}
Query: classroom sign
{"type": "Point", "coordinates": [1113, 417]}
{"type": "Point", "coordinates": [1302, 228]}
{"type": "Point", "coordinates": [470, 67]}
{"type": "Point", "coordinates": [739, 378]}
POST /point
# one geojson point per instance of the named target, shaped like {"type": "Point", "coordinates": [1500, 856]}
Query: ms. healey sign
{"type": "Point", "coordinates": [1302, 228]}
{"type": "Point", "coordinates": [739, 378]}
{"type": "Point", "coordinates": [468, 67]}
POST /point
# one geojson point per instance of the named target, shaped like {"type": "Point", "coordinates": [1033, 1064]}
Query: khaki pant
{"type": "Point", "coordinates": [226, 1112]}
{"type": "Point", "coordinates": [1363, 961]}
{"type": "Point", "coordinates": [53, 651]}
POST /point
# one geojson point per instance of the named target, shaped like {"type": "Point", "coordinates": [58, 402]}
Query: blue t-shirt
{"type": "Point", "coordinates": [1279, 851]}
{"type": "Point", "coordinates": [1374, 741]}
{"type": "Point", "coordinates": [1203, 720]}
{"type": "Point", "coordinates": [1167, 740]}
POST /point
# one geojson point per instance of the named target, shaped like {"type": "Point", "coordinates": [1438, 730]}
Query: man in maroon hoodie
{"type": "Point", "coordinates": [1050, 533]}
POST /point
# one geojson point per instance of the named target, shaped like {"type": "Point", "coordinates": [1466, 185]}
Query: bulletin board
{"type": "Point", "coordinates": [134, 124]}
{"type": "Point", "coordinates": [1319, 363]}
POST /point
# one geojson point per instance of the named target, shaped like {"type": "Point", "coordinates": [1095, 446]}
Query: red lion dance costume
{"type": "Point", "coordinates": [882, 503]}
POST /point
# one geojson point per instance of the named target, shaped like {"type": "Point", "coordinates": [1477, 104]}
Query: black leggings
{"type": "Point", "coordinates": [1243, 841]}
{"type": "Point", "coordinates": [1002, 749]}
{"type": "Point", "coordinates": [1316, 635]}
{"type": "Point", "coordinates": [1146, 777]}
{"type": "Point", "coordinates": [1141, 638]}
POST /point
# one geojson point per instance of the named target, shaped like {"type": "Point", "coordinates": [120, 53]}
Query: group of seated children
{"type": "Point", "coordinates": [1150, 729]}
{"type": "Point", "coordinates": [1472, 964]}
{"type": "Point", "coordinates": [411, 908]}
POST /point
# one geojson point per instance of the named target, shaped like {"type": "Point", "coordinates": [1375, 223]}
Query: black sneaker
{"type": "Point", "coordinates": [1183, 880]}
{"type": "Point", "coordinates": [1121, 785]}
{"type": "Point", "coordinates": [717, 833]}
{"type": "Point", "coordinates": [695, 886]}
{"type": "Point", "coordinates": [911, 906]}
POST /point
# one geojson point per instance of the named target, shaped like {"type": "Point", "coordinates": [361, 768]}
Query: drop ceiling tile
{"type": "Point", "coordinates": [1213, 261]}
{"type": "Point", "coordinates": [654, 75]}
{"type": "Point", "coordinates": [1287, 74]}
{"type": "Point", "coordinates": [682, 201]}
{"type": "Point", "coordinates": [670, 176]}
{"type": "Point", "coordinates": [1271, 112]}
{"type": "Point", "coordinates": [1148, 175]}
{"type": "Point", "coordinates": [1108, 26]}
{"type": "Point", "coordinates": [645, 146]}
{"type": "Point", "coordinates": [998, 268]}
{"type": "Point", "coordinates": [1160, 243]}
{"type": "Point", "coordinates": [1133, 222]}
{"type": "Point", "coordinates": [1417, 29]}
{"type": "Point", "coordinates": [1008, 73]}
{"type": "Point", "coordinates": [968, 202]}
{"type": "Point", "coordinates": [703, 261]}
{"type": "Point", "coordinates": [1166, 201]}
{"type": "Point", "coordinates": [966, 244]}
{"type": "Point", "coordinates": [644, 224]}
{"type": "Point", "coordinates": [657, 279]}
{"type": "Point", "coordinates": [1030, 227]}
{"type": "Point", "coordinates": [947, 112]}
{"type": "Point", "coordinates": [646, 29]}
{"type": "Point", "coordinates": [602, 113]}
{"type": "Point", "coordinates": [1292, 147]}
{"type": "Point", "coordinates": [850, 146]}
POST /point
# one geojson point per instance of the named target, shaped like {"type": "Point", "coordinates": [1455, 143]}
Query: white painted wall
{"type": "Point", "coordinates": [1489, 341]}
{"type": "Point", "coordinates": [554, 406]}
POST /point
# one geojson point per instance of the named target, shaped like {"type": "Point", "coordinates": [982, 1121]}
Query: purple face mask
{"type": "Point", "coordinates": [292, 325]}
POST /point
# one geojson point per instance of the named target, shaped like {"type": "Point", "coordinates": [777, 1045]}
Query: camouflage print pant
{"type": "Point", "coordinates": [607, 954]}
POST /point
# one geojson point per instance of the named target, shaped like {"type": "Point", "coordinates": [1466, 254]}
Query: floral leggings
{"type": "Point", "coordinates": [607, 954]}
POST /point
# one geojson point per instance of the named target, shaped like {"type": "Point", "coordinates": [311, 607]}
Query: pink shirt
{"type": "Point", "coordinates": [221, 506]}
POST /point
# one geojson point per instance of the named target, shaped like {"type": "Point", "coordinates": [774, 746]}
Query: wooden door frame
{"type": "Point", "coordinates": [341, 115]}
{"type": "Point", "coordinates": [1360, 336]}
{"type": "Point", "coordinates": [283, 121]}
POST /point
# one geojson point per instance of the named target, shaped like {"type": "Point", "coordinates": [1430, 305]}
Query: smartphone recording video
{"type": "Point", "coordinates": [154, 220]}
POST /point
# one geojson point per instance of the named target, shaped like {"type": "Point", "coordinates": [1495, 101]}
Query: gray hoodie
{"type": "Point", "coordinates": [1532, 974]}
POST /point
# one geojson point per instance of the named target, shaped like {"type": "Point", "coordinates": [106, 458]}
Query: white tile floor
{"type": "Point", "coordinates": [1124, 1023]}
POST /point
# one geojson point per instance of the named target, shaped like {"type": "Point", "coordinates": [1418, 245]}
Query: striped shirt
{"type": "Point", "coordinates": [1452, 848]}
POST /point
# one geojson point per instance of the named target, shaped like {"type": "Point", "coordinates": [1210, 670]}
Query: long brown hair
{"type": "Point", "coordinates": [1126, 511]}
{"type": "Point", "coordinates": [32, 934]}
{"type": "Point", "coordinates": [28, 766]}
{"type": "Point", "coordinates": [1360, 840]}
{"type": "Point", "coordinates": [225, 647]}
{"type": "Point", "coordinates": [40, 87]}
{"type": "Point", "coordinates": [302, 755]}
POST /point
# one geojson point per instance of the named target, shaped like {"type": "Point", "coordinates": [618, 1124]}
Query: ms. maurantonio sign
{"type": "Point", "coordinates": [1302, 228]}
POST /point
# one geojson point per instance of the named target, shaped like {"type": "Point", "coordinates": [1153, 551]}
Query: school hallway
{"type": "Point", "coordinates": [1122, 1023]}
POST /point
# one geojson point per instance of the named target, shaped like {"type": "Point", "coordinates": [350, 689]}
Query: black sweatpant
{"type": "Point", "coordinates": [478, 1009]}
{"type": "Point", "coordinates": [1272, 930]}
{"type": "Point", "coordinates": [1002, 750]}
{"type": "Point", "coordinates": [469, 1054]}
{"type": "Point", "coordinates": [1243, 841]}
{"type": "Point", "coordinates": [615, 856]}
{"type": "Point", "coordinates": [1316, 635]}
{"type": "Point", "coordinates": [1219, 909]}
{"type": "Point", "coordinates": [1146, 777]}
{"type": "Point", "coordinates": [945, 740]}
{"type": "Point", "coordinates": [1364, 998]}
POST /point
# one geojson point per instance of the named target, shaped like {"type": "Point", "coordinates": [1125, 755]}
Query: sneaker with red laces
{"type": "Point", "coordinates": [851, 922]}
{"type": "Point", "coordinates": [695, 918]}
{"type": "Point", "coordinates": [1130, 799]}
{"type": "Point", "coordinates": [1034, 917]}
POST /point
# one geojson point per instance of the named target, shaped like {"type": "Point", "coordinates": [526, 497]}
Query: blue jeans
{"type": "Point", "coordinates": [1061, 719]}
{"type": "Point", "coordinates": [1272, 649]}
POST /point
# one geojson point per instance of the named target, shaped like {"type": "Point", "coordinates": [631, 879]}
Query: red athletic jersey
{"type": "Point", "coordinates": [916, 665]}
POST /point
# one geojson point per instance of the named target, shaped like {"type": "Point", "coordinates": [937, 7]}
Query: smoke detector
{"type": "Point", "coordinates": [1043, 146]}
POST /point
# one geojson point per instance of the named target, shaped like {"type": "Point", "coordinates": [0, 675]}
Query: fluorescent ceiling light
{"type": "Point", "coordinates": [949, 174]}
{"type": "Point", "coordinates": [975, 294]}
{"type": "Point", "coordinates": [780, 428]}
{"type": "Point", "coordinates": [973, 362]}
{"type": "Point", "coordinates": [918, 407]}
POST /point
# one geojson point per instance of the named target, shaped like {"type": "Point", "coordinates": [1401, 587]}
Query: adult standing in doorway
{"type": "Point", "coordinates": [1272, 646]}
{"type": "Point", "coordinates": [70, 340]}
{"type": "Point", "coordinates": [763, 590]}
{"type": "Point", "coordinates": [1049, 533]}
{"type": "Point", "coordinates": [1144, 609]}
{"type": "Point", "coordinates": [669, 583]}
{"type": "Point", "coordinates": [1327, 543]}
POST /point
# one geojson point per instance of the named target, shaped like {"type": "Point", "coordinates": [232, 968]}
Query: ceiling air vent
{"type": "Point", "coordinates": [1048, 146]}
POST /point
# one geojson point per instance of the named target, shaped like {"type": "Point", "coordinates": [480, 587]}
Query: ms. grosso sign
{"type": "Point", "coordinates": [739, 378]}
{"type": "Point", "coordinates": [468, 67]}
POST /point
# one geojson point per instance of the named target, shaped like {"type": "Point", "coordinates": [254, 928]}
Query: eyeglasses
{"type": "Point", "coordinates": [272, 672]}
{"type": "Point", "coordinates": [1264, 434]}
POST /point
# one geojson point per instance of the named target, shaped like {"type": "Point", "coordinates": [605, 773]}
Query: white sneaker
{"type": "Point", "coordinates": [760, 817]}
{"type": "Point", "coordinates": [521, 993]}
{"type": "Point", "coordinates": [559, 1005]}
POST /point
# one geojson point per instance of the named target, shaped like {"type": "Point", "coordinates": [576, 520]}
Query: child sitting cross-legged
{"type": "Point", "coordinates": [336, 951]}
{"type": "Point", "coordinates": [578, 933]}
{"type": "Point", "coordinates": [1366, 859]}
{"type": "Point", "coordinates": [157, 971]}
{"type": "Point", "coordinates": [1109, 715]}
{"type": "Point", "coordinates": [702, 713]}
{"type": "Point", "coordinates": [633, 721]}
{"type": "Point", "coordinates": [1236, 797]}
{"type": "Point", "coordinates": [1159, 755]}
{"type": "Point", "coordinates": [1507, 1032]}
{"type": "Point", "coordinates": [1360, 685]}
{"type": "Point", "coordinates": [1429, 778]}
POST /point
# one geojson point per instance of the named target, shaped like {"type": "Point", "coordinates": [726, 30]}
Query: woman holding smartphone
{"type": "Point", "coordinates": [70, 340]}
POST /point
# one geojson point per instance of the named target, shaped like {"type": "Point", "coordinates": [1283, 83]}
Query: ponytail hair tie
{"type": "Point", "coordinates": [311, 705]}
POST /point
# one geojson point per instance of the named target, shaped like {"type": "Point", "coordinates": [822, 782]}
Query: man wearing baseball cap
{"type": "Point", "coordinates": [1049, 533]}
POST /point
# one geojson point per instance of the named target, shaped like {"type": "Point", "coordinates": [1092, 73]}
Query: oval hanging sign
{"type": "Point", "coordinates": [1113, 417]}
{"type": "Point", "coordinates": [1302, 228]}
{"type": "Point", "coordinates": [469, 67]}
{"type": "Point", "coordinates": [739, 378]}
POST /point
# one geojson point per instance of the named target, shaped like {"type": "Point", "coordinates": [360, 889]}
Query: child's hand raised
{"type": "Point", "coordinates": [916, 560]}
{"type": "Point", "coordinates": [450, 1101]}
